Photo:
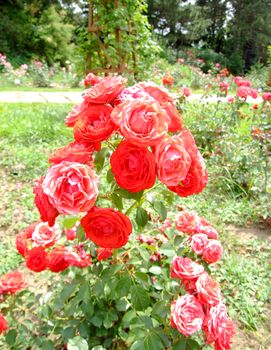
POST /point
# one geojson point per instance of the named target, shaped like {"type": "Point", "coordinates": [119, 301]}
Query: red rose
{"type": "Point", "coordinates": [36, 259]}
{"type": "Point", "coordinates": [198, 243]}
{"type": "Point", "coordinates": [12, 282]}
{"type": "Point", "coordinates": [208, 290]}
{"type": "Point", "coordinates": [3, 324]}
{"type": "Point", "coordinates": [197, 176]}
{"type": "Point", "coordinates": [167, 80]}
{"type": "Point", "coordinates": [104, 253]}
{"type": "Point", "coordinates": [173, 118]}
{"type": "Point", "coordinates": [106, 90]}
{"type": "Point", "coordinates": [47, 211]}
{"type": "Point", "coordinates": [71, 187]}
{"type": "Point", "coordinates": [186, 315]}
{"type": "Point", "coordinates": [56, 260]}
{"type": "Point", "coordinates": [133, 167]}
{"type": "Point", "coordinates": [173, 162]}
{"type": "Point", "coordinates": [185, 268]}
{"type": "Point", "coordinates": [223, 342]}
{"type": "Point", "coordinates": [77, 111]}
{"type": "Point", "coordinates": [106, 227]}
{"type": "Point", "coordinates": [73, 152]}
{"type": "Point", "coordinates": [159, 93]}
{"type": "Point", "coordinates": [91, 80]}
{"type": "Point", "coordinates": [23, 238]}
{"type": "Point", "coordinates": [141, 122]}
{"type": "Point", "coordinates": [266, 96]}
{"type": "Point", "coordinates": [95, 125]}
{"type": "Point", "coordinates": [212, 252]}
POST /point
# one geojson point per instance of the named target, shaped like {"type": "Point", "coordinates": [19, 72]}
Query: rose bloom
{"type": "Point", "coordinates": [253, 93]}
{"type": "Point", "coordinates": [71, 187]}
{"type": "Point", "coordinates": [212, 252]}
{"type": "Point", "coordinates": [133, 167]}
{"type": "Point", "coordinates": [12, 282]}
{"type": "Point", "coordinates": [56, 260]}
{"type": "Point", "coordinates": [159, 93]}
{"type": "Point", "coordinates": [208, 290]}
{"type": "Point", "coordinates": [106, 90]}
{"type": "Point", "coordinates": [185, 268]}
{"type": "Point", "coordinates": [244, 92]}
{"type": "Point", "coordinates": [186, 315]}
{"type": "Point", "coordinates": [197, 175]}
{"type": "Point", "coordinates": [73, 152]}
{"type": "Point", "coordinates": [47, 211]}
{"type": "Point", "coordinates": [186, 91]}
{"type": "Point", "coordinates": [76, 113]}
{"type": "Point", "coordinates": [23, 239]}
{"type": "Point", "coordinates": [146, 239]}
{"type": "Point", "coordinates": [132, 93]}
{"type": "Point", "coordinates": [3, 324]}
{"type": "Point", "coordinates": [95, 126]}
{"type": "Point", "coordinates": [208, 230]}
{"type": "Point", "coordinates": [187, 222]}
{"type": "Point", "coordinates": [173, 118]}
{"type": "Point", "coordinates": [167, 80]}
{"type": "Point", "coordinates": [140, 121]}
{"type": "Point", "coordinates": [223, 341]}
{"type": "Point", "coordinates": [71, 232]}
{"type": "Point", "coordinates": [231, 99]}
{"type": "Point", "coordinates": [266, 96]}
{"type": "Point", "coordinates": [198, 242]}
{"type": "Point", "coordinates": [173, 162]}
{"type": "Point", "coordinates": [77, 256]}
{"type": "Point", "coordinates": [180, 61]}
{"type": "Point", "coordinates": [104, 253]}
{"type": "Point", "coordinates": [45, 236]}
{"type": "Point", "coordinates": [255, 106]}
{"type": "Point", "coordinates": [217, 65]}
{"type": "Point", "coordinates": [214, 321]}
{"type": "Point", "coordinates": [106, 227]}
{"type": "Point", "coordinates": [36, 259]}
{"type": "Point", "coordinates": [223, 87]}
{"type": "Point", "coordinates": [91, 80]}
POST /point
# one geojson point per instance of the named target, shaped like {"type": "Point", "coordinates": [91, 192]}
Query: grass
{"type": "Point", "coordinates": [29, 132]}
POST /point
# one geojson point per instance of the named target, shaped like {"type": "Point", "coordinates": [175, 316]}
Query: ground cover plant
{"type": "Point", "coordinates": [46, 145]}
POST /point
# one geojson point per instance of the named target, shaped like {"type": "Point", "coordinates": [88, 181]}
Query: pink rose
{"type": "Point", "coordinates": [213, 251]}
{"type": "Point", "coordinates": [91, 80]}
{"type": "Point", "coordinates": [223, 341]}
{"type": "Point", "coordinates": [208, 290]}
{"type": "Point", "coordinates": [198, 242]}
{"type": "Point", "coordinates": [223, 86]}
{"type": "Point", "coordinates": [173, 118]}
{"type": "Point", "coordinates": [140, 121]}
{"type": "Point", "coordinates": [215, 318]}
{"type": "Point", "coordinates": [77, 256]}
{"type": "Point", "coordinates": [186, 92]}
{"type": "Point", "coordinates": [71, 187]}
{"type": "Point", "coordinates": [186, 315]}
{"type": "Point", "coordinates": [132, 93]}
{"type": "Point", "coordinates": [45, 236]}
{"type": "Point", "coordinates": [187, 222]}
{"type": "Point", "coordinates": [172, 161]}
{"type": "Point", "coordinates": [106, 90]}
{"type": "Point", "coordinates": [231, 99]}
{"type": "Point", "coordinates": [185, 268]}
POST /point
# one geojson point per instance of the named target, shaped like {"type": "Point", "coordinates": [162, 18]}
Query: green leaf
{"type": "Point", "coordinates": [141, 217]}
{"type": "Point", "coordinates": [67, 291]}
{"type": "Point", "coordinates": [138, 345]}
{"type": "Point", "coordinates": [160, 309]}
{"type": "Point", "coordinates": [142, 276]}
{"type": "Point", "coordinates": [122, 304]}
{"type": "Point", "coordinates": [153, 342]}
{"type": "Point", "coordinates": [117, 201]}
{"type": "Point", "coordinates": [123, 286]}
{"type": "Point", "coordinates": [139, 298]}
{"type": "Point", "coordinates": [100, 158]}
{"type": "Point", "coordinates": [109, 176]}
{"type": "Point", "coordinates": [11, 337]}
{"type": "Point", "coordinates": [80, 234]}
{"type": "Point", "coordinates": [180, 345]}
{"type": "Point", "coordinates": [98, 347]}
{"type": "Point", "coordinates": [68, 333]}
{"type": "Point", "coordinates": [77, 343]}
{"type": "Point", "coordinates": [69, 222]}
{"type": "Point", "coordinates": [129, 195]}
{"type": "Point", "coordinates": [160, 209]}
{"type": "Point", "coordinates": [192, 345]}
{"type": "Point", "coordinates": [155, 270]}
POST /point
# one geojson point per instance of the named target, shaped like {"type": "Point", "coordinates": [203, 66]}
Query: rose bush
{"type": "Point", "coordinates": [134, 275]}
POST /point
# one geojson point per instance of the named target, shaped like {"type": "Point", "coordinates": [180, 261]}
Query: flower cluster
{"type": "Point", "coordinates": [10, 283]}
{"type": "Point", "coordinates": [203, 237]}
{"type": "Point", "coordinates": [202, 307]}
